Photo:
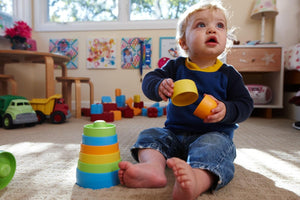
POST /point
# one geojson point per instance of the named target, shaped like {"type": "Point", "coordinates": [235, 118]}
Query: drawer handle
{"type": "Point", "coordinates": [253, 60]}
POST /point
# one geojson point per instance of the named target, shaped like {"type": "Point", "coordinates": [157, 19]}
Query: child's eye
{"type": "Point", "coordinates": [220, 25]}
{"type": "Point", "coordinates": [201, 25]}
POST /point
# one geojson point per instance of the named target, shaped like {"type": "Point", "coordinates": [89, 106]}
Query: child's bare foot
{"type": "Point", "coordinates": [141, 175]}
{"type": "Point", "coordinates": [189, 183]}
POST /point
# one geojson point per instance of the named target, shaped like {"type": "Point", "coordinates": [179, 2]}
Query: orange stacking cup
{"type": "Point", "coordinates": [99, 150]}
{"type": "Point", "coordinates": [205, 106]}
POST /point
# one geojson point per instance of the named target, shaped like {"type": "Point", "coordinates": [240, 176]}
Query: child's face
{"type": "Point", "coordinates": [206, 34]}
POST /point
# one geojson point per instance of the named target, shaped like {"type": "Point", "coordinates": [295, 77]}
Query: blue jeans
{"type": "Point", "coordinates": [213, 151]}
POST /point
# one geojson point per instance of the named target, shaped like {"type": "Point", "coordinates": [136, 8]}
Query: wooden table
{"type": "Point", "coordinates": [49, 59]}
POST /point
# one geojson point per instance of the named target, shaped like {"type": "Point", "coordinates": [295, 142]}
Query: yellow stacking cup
{"type": "Point", "coordinates": [99, 159]}
{"type": "Point", "coordinates": [205, 106]}
{"type": "Point", "coordinates": [185, 92]}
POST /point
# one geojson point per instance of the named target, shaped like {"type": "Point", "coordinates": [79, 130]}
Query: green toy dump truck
{"type": "Point", "coordinates": [16, 110]}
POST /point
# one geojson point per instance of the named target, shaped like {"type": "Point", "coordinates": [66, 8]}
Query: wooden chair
{"type": "Point", "coordinates": [4, 79]}
{"type": "Point", "coordinates": [67, 89]}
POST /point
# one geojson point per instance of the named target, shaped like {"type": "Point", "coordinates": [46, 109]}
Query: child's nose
{"type": "Point", "coordinates": [211, 30]}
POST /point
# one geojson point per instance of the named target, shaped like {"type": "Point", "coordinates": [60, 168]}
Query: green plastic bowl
{"type": "Point", "coordinates": [98, 168]}
{"type": "Point", "coordinates": [99, 129]}
{"type": "Point", "coordinates": [7, 168]}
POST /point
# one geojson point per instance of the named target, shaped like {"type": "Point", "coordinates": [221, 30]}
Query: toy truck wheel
{"type": "Point", "coordinates": [41, 117]}
{"type": "Point", "coordinates": [7, 122]}
{"type": "Point", "coordinates": [57, 117]}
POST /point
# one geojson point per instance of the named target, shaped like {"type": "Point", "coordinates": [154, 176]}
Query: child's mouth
{"type": "Point", "coordinates": [211, 40]}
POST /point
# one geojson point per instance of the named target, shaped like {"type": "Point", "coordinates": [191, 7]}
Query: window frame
{"type": "Point", "coordinates": [22, 11]}
{"type": "Point", "coordinates": [41, 23]}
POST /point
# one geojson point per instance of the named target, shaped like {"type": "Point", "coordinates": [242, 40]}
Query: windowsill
{"type": "Point", "coordinates": [93, 26]}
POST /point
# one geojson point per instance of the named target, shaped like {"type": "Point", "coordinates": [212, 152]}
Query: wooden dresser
{"type": "Point", "coordinates": [260, 64]}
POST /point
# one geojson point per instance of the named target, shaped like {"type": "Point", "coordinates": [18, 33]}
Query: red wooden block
{"type": "Point", "coordinates": [109, 107]}
{"type": "Point", "coordinates": [106, 116]}
{"type": "Point", "coordinates": [165, 110]}
{"type": "Point", "coordinates": [86, 112]}
{"type": "Point", "coordinates": [127, 112]}
{"type": "Point", "coordinates": [139, 104]}
{"type": "Point", "coordinates": [152, 112]}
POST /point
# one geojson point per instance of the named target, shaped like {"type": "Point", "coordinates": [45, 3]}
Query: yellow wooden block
{"type": "Point", "coordinates": [136, 98]}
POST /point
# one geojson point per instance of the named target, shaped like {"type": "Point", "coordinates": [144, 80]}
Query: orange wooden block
{"type": "Point", "coordinates": [117, 114]}
{"type": "Point", "coordinates": [118, 92]}
{"type": "Point", "coordinates": [137, 111]}
{"type": "Point", "coordinates": [129, 102]}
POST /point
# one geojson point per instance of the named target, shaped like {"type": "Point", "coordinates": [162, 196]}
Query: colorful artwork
{"type": "Point", "coordinates": [136, 53]}
{"type": "Point", "coordinates": [101, 53]}
{"type": "Point", "coordinates": [168, 48]}
{"type": "Point", "coordinates": [67, 47]}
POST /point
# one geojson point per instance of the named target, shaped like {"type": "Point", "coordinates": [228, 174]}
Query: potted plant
{"type": "Point", "coordinates": [18, 35]}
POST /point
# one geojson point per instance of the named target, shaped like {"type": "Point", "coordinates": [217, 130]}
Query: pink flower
{"type": "Point", "coordinates": [20, 29]}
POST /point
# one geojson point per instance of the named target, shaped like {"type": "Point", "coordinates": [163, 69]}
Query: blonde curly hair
{"type": "Point", "coordinates": [202, 5]}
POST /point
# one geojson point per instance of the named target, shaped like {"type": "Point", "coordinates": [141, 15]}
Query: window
{"type": "Point", "coordinates": [156, 9]}
{"type": "Point", "coordinates": [65, 15]}
{"type": "Point", "coordinates": [18, 9]}
{"type": "Point", "coordinates": [6, 6]}
{"type": "Point", "coordinates": [12, 10]}
{"type": "Point", "coordinates": [81, 11]}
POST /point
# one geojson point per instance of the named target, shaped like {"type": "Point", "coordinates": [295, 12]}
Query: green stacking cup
{"type": "Point", "coordinates": [7, 168]}
{"type": "Point", "coordinates": [99, 129]}
{"type": "Point", "coordinates": [98, 168]}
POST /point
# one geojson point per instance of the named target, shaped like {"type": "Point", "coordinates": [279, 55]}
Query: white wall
{"type": "Point", "coordinates": [287, 24]}
{"type": "Point", "coordinates": [31, 78]}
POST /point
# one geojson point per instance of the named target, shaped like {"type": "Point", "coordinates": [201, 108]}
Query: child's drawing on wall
{"type": "Point", "coordinates": [101, 53]}
{"type": "Point", "coordinates": [66, 47]}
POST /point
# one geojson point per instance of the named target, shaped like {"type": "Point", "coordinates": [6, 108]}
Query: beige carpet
{"type": "Point", "coordinates": [267, 164]}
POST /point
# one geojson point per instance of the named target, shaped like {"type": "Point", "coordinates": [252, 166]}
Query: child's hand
{"type": "Point", "coordinates": [165, 89]}
{"type": "Point", "coordinates": [218, 113]}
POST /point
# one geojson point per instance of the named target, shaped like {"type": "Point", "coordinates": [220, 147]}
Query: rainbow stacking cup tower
{"type": "Point", "coordinates": [99, 156]}
{"type": "Point", "coordinates": [7, 168]}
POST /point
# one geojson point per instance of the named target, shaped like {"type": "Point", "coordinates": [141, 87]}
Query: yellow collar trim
{"type": "Point", "coordinates": [193, 66]}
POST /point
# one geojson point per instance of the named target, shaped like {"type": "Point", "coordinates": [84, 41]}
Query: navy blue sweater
{"type": "Point", "coordinates": [225, 84]}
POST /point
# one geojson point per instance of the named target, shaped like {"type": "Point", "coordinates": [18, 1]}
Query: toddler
{"type": "Point", "coordinates": [200, 152]}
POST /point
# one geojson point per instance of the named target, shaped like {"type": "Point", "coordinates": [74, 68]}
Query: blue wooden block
{"type": "Point", "coordinates": [96, 108]}
{"type": "Point", "coordinates": [160, 111]}
{"type": "Point", "coordinates": [120, 100]}
{"type": "Point", "coordinates": [144, 112]}
{"type": "Point", "coordinates": [106, 99]}
{"type": "Point", "coordinates": [156, 105]}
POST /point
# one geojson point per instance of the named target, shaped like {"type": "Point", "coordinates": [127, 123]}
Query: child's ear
{"type": "Point", "coordinates": [182, 44]}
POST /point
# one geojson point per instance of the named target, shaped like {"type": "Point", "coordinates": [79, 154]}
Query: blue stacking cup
{"type": "Point", "coordinates": [97, 180]}
{"type": "Point", "coordinates": [99, 141]}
